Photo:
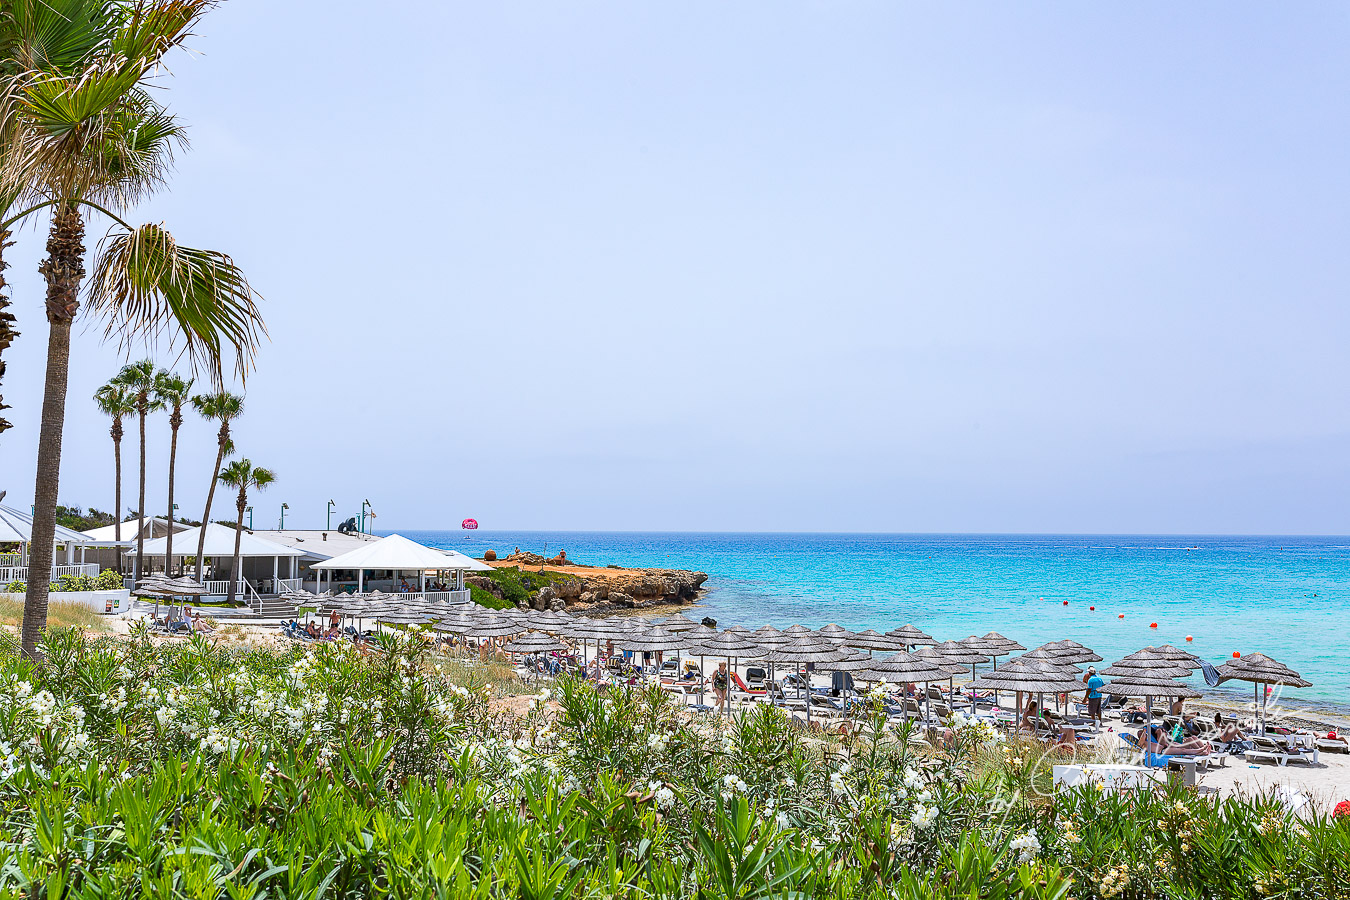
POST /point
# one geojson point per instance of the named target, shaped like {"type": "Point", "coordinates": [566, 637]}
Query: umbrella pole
{"type": "Point", "coordinates": [700, 679]}
{"type": "Point", "coordinates": [972, 691]}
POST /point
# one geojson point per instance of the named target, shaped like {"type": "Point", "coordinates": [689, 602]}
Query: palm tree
{"type": "Point", "coordinates": [226, 408]}
{"type": "Point", "coordinates": [245, 476]}
{"type": "Point", "coordinates": [113, 400]}
{"type": "Point", "coordinates": [172, 390]}
{"type": "Point", "coordinates": [138, 379]}
{"type": "Point", "coordinates": [84, 133]}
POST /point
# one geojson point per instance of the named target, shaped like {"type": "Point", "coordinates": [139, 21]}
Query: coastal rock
{"type": "Point", "coordinates": [526, 558]}
{"type": "Point", "coordinates": [486, 584]}
{"type": "Point", "coordinates": [570, 589]}
{"type": "Point", "coordinates": [558, 605]}
{"type": "Point", "coordinates": [622, 600]}
{"type": "Point", "coordinates": [544, 599]}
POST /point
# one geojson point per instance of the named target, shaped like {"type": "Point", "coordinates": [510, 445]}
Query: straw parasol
{"type": "Point", "coordinates": [1148, 686]}
{"type": "Point", "coordinates": [1260, 669]}
{"type": "Point", "coordinates": [1145, 662]}
{"type": "Point", "coordinates": [833, 632]}
{"type": "Point", "coordinates": [534, 642]}
{"type": "Point", "coordinates": [809, 648]}
{"type": "Point", "coordinates": [494, 626]}
{"type": "Point", "coordinates": [966, 654]}
{"type": "Point", "coordinates": [677, 622]}
{"type": "Point", "coordinates": [994, 640]}
{"type": "Point", "coordinates": [1071, 651]}
{"type": "Point", "coordinates": [731, 644]}
{"type": "Point", "coordinates": [871, 639]}
{"type": "Point", "coordinates": [951, 667]}
{"type": "Point", "coordinates": [1178, 656]}
{"type": "Point", "coordinates": [906, 668]}
{"type": "Point", "coordinates": [911, 636]}
{"type": "Point", "coordinates": [1022, 676]}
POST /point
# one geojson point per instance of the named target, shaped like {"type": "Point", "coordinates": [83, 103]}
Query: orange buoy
{"type": "Point", "coordinates": [1066, 602]}
{"type": "Point", "coordinates": [1121, 616]}
{"type": "Point", "coordinates": [1092, 607]}
{"type": "Point", "coordinates": [1188, 637]}
{"type": "Point", "coordinates": [1152, 624]}
{"type": "Point", "coordinates": [1236, 655]}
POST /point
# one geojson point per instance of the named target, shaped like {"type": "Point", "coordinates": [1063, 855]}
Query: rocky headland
{"type": "Point", "coordinates": [560, 583]}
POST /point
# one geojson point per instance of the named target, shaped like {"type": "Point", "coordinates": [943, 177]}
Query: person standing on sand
{"type": "Point", "coordinates": [1094, 683]}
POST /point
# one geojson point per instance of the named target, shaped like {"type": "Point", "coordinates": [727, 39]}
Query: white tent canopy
{"type": "Point", "coordinates": [219, 544]}
{"type": "Point", "coordinates": [397, 553]}
{"type": "Point", "coordinates": [18, 526]}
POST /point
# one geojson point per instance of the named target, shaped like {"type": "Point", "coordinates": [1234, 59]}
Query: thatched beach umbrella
{"type": "Point", "coordinates": [1071, 651]}
{"type": "Point", "coordinates": [1143, 662]}
{"type": "Point", "coordinates": [872, 640]}
{"type": "Point", "coordinates": [951, 667]}
{"type": "Point", "coordinates": [805, 649]}
{"type": "Point", "coordinates": [911, 636]}
{"type": "Point", "coordinates": [653, 640]}
{"type": "Point", "coordinates": [1177, 656]}
{"type": "Point", "coordinates": [534, 642]}
{"type": "Point", "coordinates": [1148, 686]}
{"type": "Point", "coordinates": [963, 652]}
{"type": "Point", "coordinates": [1021, 676]}
{"type": "Point", "coordinates": [1260, 670]}
{"type": "Point", "coordinates": [677, 622]}
{"type": "Point", "coordinates": [730, 644]}
{"type": "Point", "coordinates": [905, 668]}
{"type": "Point", "coordinates": [833, 632]}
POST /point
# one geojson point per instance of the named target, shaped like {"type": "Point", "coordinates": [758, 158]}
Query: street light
{"type": "Point", "coordinates": [365, 505]}
{"type": "Point", "coordinates": [284, 507]}
{"type": "Point", "coordinates": [331, 504]}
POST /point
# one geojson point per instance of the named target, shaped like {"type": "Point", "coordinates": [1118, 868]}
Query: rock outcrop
{"type": "Point", "coordinates": [600, 589]}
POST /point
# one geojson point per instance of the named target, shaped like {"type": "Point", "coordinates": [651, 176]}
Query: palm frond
{"type": "Point", "coordinates": [52, 35]}
{"type": "Point", "coordinates": [146, 285]}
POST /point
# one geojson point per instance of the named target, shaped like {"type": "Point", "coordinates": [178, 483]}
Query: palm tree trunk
{"type": "Point", "coordinates": [140, 508]}
{"type": "Point", "coordinates": [175, 421]}
{"type": "Point", "coordinates": [7, 332]}
{"type": "Point", "coordinates": [238, 536]}
{"type": "Point", "coordinates": [224, 438]}
{"type": "Point", "coordinates": [117, 489]}
{"type": "Point", "coordinates": [63, 270]}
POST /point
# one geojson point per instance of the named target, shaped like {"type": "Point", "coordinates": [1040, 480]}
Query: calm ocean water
{"type": "Point", "coordinates": [1288, 597]}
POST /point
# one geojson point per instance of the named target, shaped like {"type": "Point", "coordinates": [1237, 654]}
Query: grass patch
{"type": "Point", "coordinates": [60, 614]}
{"type": "Point", "coordinates": [517, 585]}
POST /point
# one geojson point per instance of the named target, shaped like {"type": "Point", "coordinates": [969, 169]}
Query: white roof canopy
{"type": "Point", "coordinates": [397, 553]}
{"type": "Point", "coordinates": [18, 526]}
{"type": "Point", "coordinates": [219, 543]}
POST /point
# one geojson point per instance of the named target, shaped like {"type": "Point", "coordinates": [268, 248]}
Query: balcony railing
{"type": "Point", "coordinates": [20, 573]}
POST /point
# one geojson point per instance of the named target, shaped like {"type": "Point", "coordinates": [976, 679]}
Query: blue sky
{"type": "Point", "coordinates": [765, 266]}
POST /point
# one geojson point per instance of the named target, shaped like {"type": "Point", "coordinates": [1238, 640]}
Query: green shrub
{"type": "Point", "coordinates": [16, 587]}
{"type": "Point", "coordinates": [189, 769]}
{"type": "Point", "coordinates": [108, 580]}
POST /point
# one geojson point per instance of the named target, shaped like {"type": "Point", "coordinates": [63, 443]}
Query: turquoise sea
{"type": "Point", "coordinates": [1288, 597]}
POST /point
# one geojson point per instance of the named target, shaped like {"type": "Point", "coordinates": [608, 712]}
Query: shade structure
{"type": "Point", "coordinates": [797, 630]}
{"type": "Point", "coordinates": [1177, 656]}
{"type": "Point", "coordinates": [1040, 654]}
{"type": "Point", "coordinates": [677, 622]}
{"type": "Point", "coordinates": [1028, 676]}
{"type": "Point", "coordinates": [553, 620]}
{"type": "Point", "coordinates": [1260, 669]}
{"type": "Point", "coordinates": [769, 637]}
{"type": "Point", "coordinates": [833, 632]}
{"type": "Point", "coordinates": [938, 658]}
{"type": "Point", "coordinates": [904, 667]}
{"type": "Point", "coordinates": [16, 526]}
{"type": "Point", "coordinates": [398, 553]}
{"type": "Point", "coordinates": [650, 640]}
{"type": "Point", "coordinates": [1071, 651]}
{"type": "Point", "coordinates": [994, 640]}
{"type": "Point", "coordinates": [1145, 662]}
{"type": "Point", "coordinates": [874, 640]}
{"type": "Point", "coordinates": [597, 629]}
{"type": "Point", "coordinates": [726, 643]}
{"type": "Point", "coordinates": [219, 544]}
{"type": "Point", "coordinates": [1141, 686]}
{"type": "Point", "coordinates": [959, 651]}
{"type": "Point", "coordinates": [534, 642]}
{"type": "Point", "coordinates": [170, 587]}
{"type": "Point", "coordinates": [494, 626]}
{"type": "Point", "coordinates": [910, 635]}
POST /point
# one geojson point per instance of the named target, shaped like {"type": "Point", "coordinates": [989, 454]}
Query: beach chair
{"type": "Point", "coordinates": [756, 678]}
{"type": "Point", "coordinates": [1277, 751]}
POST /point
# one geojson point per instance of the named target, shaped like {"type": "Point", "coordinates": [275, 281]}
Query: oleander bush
{"type": "Point", "coordinates": [187, 769]}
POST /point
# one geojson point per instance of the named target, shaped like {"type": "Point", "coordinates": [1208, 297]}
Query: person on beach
{"type": "Point", "coordinates": [1228, 734]}
{"type": "Point", "coordinates": [1094, 683]}
{"type": "Point", "coordinates": [720, 682]}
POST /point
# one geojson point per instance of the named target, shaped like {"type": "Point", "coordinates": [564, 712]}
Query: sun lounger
{"type": "Point", "coordinates": [1278, 752]}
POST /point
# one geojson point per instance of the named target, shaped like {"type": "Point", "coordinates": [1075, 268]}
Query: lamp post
{"type": "Point", "coordinates": [249, 510]}
{"type": "Point", "coordinates": [331, 504]}
{"type": "Point", "coordinates": [365, 506]}
{"type": "Point", "coordinates": [284, 507]}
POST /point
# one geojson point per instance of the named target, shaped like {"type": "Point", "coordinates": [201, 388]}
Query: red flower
{"type": "Point", "coordinates": [1342, 809]}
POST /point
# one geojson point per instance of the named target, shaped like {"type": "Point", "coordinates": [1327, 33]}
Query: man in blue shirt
{"type": "Point", "coordinates": [1095, 683]}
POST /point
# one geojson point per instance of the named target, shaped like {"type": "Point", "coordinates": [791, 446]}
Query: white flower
{"type": "Point", "coordinates": [1027, 845]}
{"type": "Point", "coordinates": [923, 817]}
{"type": "Point", "coordinates": [782, 820]}
{"type": "Point", "coordinates": [665, 797]}
{"type": "Point", "coordinates": [913, 780]}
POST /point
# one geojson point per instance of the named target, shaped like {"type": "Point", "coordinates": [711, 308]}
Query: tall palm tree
{"type": "Point", "coordinates": [138, 380]}
{"type": "Point", "coordinates": [114, 401]}
{"type": "Point", "coordinates": [245, 476]}
{"type": "Point", "coordinates": [172, 390]}
{"type": "Point", "coordinates": [224, 407]}
{"type": "Point", "coordinates": [83, 133]}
